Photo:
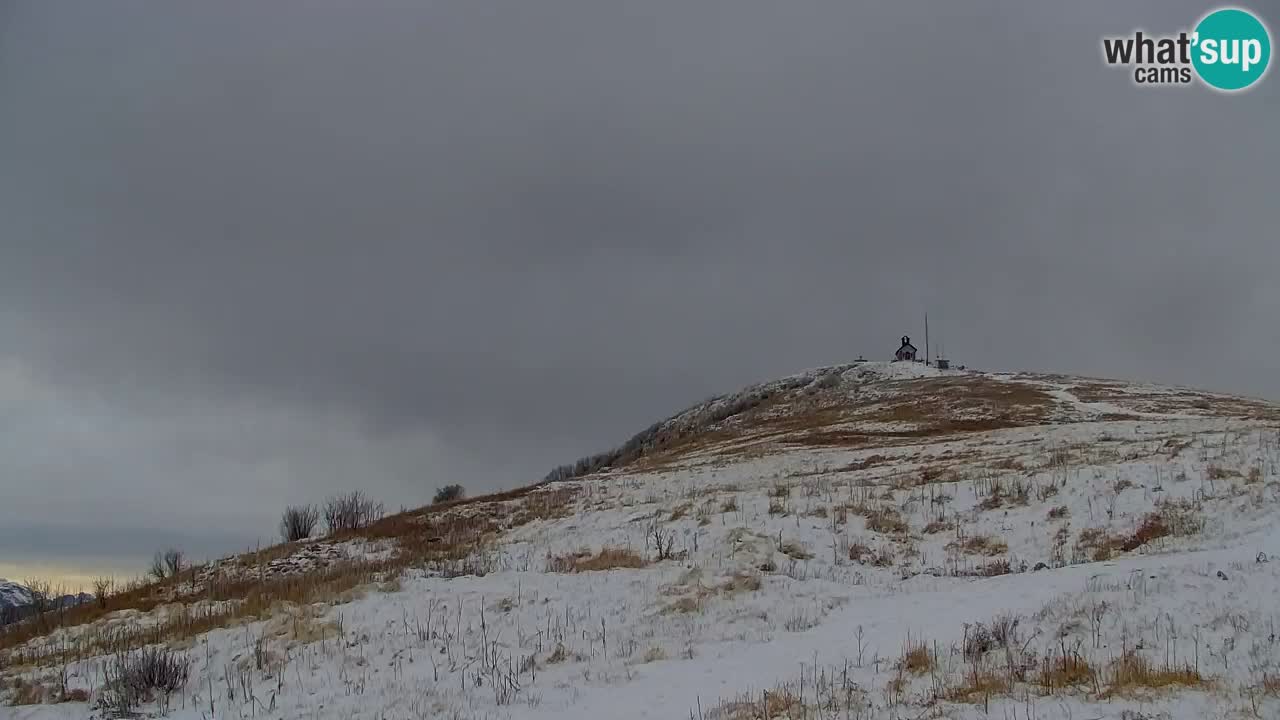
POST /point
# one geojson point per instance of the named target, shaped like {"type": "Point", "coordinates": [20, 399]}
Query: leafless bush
{"type": "Point", "coordinates": [351, 512]}
{"type": "Point", "coordinates": [102, 589]}
{"type": "Point", "coordinates": [133, 678]}
{"type": "Point", "coordinates": [663, 541]}
{"type": "Point", "coordinates": [298, 522]}
{"type": "Point", "coordinates": [166, 564]}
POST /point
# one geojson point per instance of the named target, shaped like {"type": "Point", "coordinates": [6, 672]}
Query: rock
{"type": "Point", "coordinates": [1262, 557]}
{"type": "Point", "coordinates": [1039, 566]}
{"type": "Point", "coordinates": [1222, 575]}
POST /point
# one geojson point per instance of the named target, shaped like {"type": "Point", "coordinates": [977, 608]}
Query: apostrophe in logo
{"type": "Point", "coordinates": [1229, 50]}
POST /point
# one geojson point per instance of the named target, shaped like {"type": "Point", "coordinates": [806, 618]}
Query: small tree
{"type": "Point", "coordinates": [166, 564]}
{"type": "Point", "coordinates": [102, 588]}
{"type": "Point", "coordinates": [157, 566]}
{"type": "Point", "coordinates": [173, 561]}
{"type": "Point", "coordinates": [351, 512]}
{"type": "Point", "coordinates": [449, 493]}
{"type": "Point", "coordinates": [298, 522]}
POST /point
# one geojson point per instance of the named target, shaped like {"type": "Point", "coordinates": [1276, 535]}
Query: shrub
{"type": "Point", "coordinates": [352, 511]}
{"type": "Point", "coordinates": [1171, 518]}
{"type": "Point", "coordinates": [133, 678]}
{"type": "Point", "coordinates": [916, 657]}
{"type": "Point", "coordinates": [449, 493]}
{"type": "Point", "coordinates": [102, 588]}
{"type": "Point", "coordinates": [166, 564]}
{"type": "Point", "coordinates": [298, 522]}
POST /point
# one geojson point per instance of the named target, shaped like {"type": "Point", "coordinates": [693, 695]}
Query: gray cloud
{"type": "Point", "coordinates": [251, 254]}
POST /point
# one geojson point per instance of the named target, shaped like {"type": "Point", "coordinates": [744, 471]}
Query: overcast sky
{"type": "Point", "coordinates": [256, 253]}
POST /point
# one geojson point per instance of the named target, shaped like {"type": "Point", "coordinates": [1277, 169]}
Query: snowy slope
{"type": "Point", "coordinates": [792, 554]}
{"type": "Point", "coordinates": [13, 595]}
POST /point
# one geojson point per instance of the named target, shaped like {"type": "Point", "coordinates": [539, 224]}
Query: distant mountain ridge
{"type": "Point", "coordinates": [17, 601]}
{"type": "Point", "coordinates": [13, 595]}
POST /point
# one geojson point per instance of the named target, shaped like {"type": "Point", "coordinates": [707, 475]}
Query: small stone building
{"type": "Point", "coordinates": [907, 351]}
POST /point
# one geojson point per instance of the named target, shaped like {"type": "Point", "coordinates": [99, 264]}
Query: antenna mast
{"type": "Point", "coordinates": [926, 340]}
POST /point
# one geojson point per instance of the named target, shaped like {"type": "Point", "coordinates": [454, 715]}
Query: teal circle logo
{"type": "Point", "coordinates": [1231, 49]}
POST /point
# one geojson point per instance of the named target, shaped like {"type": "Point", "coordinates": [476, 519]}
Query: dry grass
{"type": "Point", "coordinates": [606, 559]}
{"type": "Point", "coordinates": [993, 569]}
{"type": "Point", "coordinates": [24, 692]}
{"type": "Point", "coordinates": [1058, 513]}
{"type": "Point", "coordinates": [1217, 472]}
{"type": "Point", "coordinates": [1131, 673]}
{"type": "Point", "coordinates": [997, 492]}
{"type": "Point", "coordinates": [1170, 519]}
{"type": "Point", "coordinates": [684, 606]}
{"type": "Point", "coordinates": [740, 583]}
{"type": "Point", "coordinates": [654, 654]}
{"type": "Point", "coordinates": [1066, 669]}
{"type": "Point", "coordinates": [865, 555]}
{"type": "Point", "coordinates": [979, 545]}
{"type": "Point", "coordinates": [1095, 544]}
{"type": "Point", "coordinates": [1269, 684]}
{"type": "Point", "coordinates": [775, 705]}
{"type": "Point", "coordinates": [887, 521]}
{"type": "Point", "coordinates": [451, 540]}
{"type": "Point", "coordinates": [916, 658]}
{"type": "Point", "coordinates": [795, 550]}
{"type": "Point", "coordinates": [978, 685]}
{"type": "Point", "coordinates": [300, 625]}
{"type": "Point", "coordinates": [938, 526]}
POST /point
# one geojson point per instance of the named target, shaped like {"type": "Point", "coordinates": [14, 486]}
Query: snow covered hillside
{"type": "Point", "coordinates": [13, 595]}
{"type": "Point", "coordinates": [863, 541]}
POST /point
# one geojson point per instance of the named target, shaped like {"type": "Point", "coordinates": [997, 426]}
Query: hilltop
{"type": "Point", "coordinates": [870, 540]}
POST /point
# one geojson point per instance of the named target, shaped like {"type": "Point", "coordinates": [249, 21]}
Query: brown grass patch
{"type": "Point", "coordinates": [916, 658]}
{"type": "Point", "coordinates": [606, 559]}
{"type": "Point", "coordinates": [1170, 519]}
{"type": "Point", "coordinates": [887, 521]}
{"type": "Point", "coordinates": [1132, 672]}
{"type": "Point", "coordinates": [865, 555]}
{"type": "Point", "coordinates": [978, 685]}
{"type": "Point", "coordinates": [979, 545]}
